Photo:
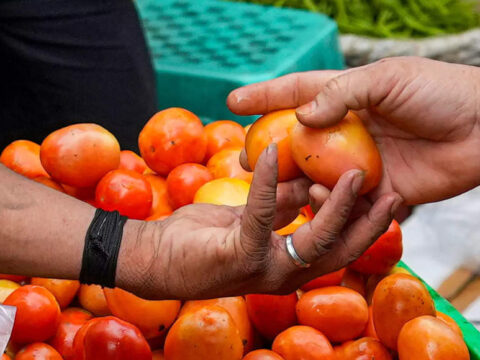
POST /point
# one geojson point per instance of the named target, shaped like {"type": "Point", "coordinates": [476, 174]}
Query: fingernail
{"type": "Point", "coordinates": [358, 181]}
{"type": "Point", "coordinates": [395, 205]}
{"type": "Point", "coordinates": [307, 109]}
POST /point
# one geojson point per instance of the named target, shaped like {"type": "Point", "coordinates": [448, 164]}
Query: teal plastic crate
{"type": "Point", "coordinates": [203, 49]}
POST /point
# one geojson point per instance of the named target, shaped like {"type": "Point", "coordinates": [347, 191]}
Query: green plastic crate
{"type": "Point", "coordinates": [470, 333]}
{"type": "Point", "coordinates": [203, 49]}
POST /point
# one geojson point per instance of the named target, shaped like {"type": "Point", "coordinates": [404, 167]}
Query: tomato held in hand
{"type": "Point", "coordinates": [50, 183]}
{"type": "Point", "coordinates": [92, 298]}
{"type": "Point", "coordinates": [6, 288]}
{"type": "Point", "coordinates": [184, 181]}
{"type": "Point", "coordinates": [37, 315]}
{"type": "Point", "coordinates": [303, 342]}
{"type": "Point", "coordinates": [231, 192]}
{"type": "Point", "coordinates": [271, 314]}
{"type": "Point", "coordinates": [398, 299]}
{"type": "Point", "coordinates": [160, 203]}
{"type": "Point", "coordinates": [131, 161]}
{"type": "Point", "coordinates": [23, 157]}
{"type": "Point", "coordinates": [332, 279]}
{"type": "Point", "coordinates": [63, 290]}
{"type": "Point", "coordinates": [38, 351]}
{"type": "Point", "coordinates": [325, 154]}
{"type": "Point", "coordinates": [226, 164]}
{"type": "Point", "coordinates": [222, 135]}
{"type": "Point", "coordinates": [126, 191]}
{"type": "Point", "coordinates": [428, 338]}
{"type": "Point", "coordinates": [80, 155]}
{"type": "Point", "coordinates": [275, 127]}
{"type": "Point", "coordinates": [366, 348]}
{"type": "Point", "coordinates": [262, 354]}
{"type": "Point", "coordinates": [339, 313]}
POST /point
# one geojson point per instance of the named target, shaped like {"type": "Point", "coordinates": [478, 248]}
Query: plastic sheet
{"type": "Point", "coordinates": [7, 318]}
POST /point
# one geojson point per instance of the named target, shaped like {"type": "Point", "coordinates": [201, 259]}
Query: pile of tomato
{"type": "Point", "coordinates": [370, 310]}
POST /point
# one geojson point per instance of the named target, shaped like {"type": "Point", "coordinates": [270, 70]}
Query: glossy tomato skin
{"type": "Point", "coordinates": [80, 155]}
{"type": "Point", "coordinates": [325, 154]}
{"type": "Point", "coordinates": [450, 322]}
{"type": "Point", "coordinates": [355, 281]}
{"type": "Point", "coordinates": [37, 315]}
{"type": "Point", "coordinates": [208, 333]}
{"type": "Point", "coordinates": [275, 127]}
{"type": "Point", "coordinates": [303, 342]}
{"type": "Point", "coordinates": [6, 288]}
{"type": "Point", "coordinates": [262, 354]}
{"type": "Point", "coordinates": [160, 202]}
{"type": "Point", "coordinates": [131, 161]}
{"type": "Point", "coordinates": [170, 138]}
{"type": "Point", "coordinates": [429, 338]}
{"type": "Point", "coordinates": [271, 314]}
{"type": "Point", "coordinates": [50, 183]}
{"type": "Point", "coordinates": [183, 183]}
{"type": "Point", "coordinates": [38, 351]}
{"type": "Point", "coordinates": [226, 163]}
{"type": "Point", "coordinates": [384, 254]}
{"type": "Point", "coordinates": [340, 313]}
{"type": "Point", "coordinates": [63, 290]}
{"type": "Point", "coordinates": [92, 298]}
{"type": "Point", "coordinates": [331, 279]}
{"type": "Point", "coordinates": [126, 191]}
{"type": "Point", "coordinates": [225, 191]}
{"type": "Point", "coordinates": [398, 299]}
{"type": "Point", "coordinates": [366, 348]}
{"type": "Point", "coordinates": [23, 157]}
{"type": "Point", "coordinates": [222, 135]}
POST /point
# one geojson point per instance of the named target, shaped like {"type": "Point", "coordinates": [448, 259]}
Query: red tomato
{"type": "Point", "coordinates": [223, 134]}
{"type": "Point", "coordinates": [370, 329]}
{"type": "Point", "coordinates": [366, 348]}
{"type": "Point", "coordinates": [325, 154]}
{"type": "Point", "coordinates": [184, 181]}
{"type": "Point", "coordinates": [15, 278]}
{"type": "Point", "coordinates": [63, 290]}
{"type": "Point", "coordinates": [131, 161]}
{"type": "Point", "coordinates": [450, 322]}
{"type": "Point", "coordinates": [71, 320]}
{"type": "Point", "coordinates": [80, 155]}
{"type": "Point", "coordinates": [49, 182]}
{"type": "Point", "coordinates": [271, 314]}
{"type": "Point", "coordinates": [226, 163]}
{"type": "Point", "coordinates": [307, 211]}
{"type": "Point", "coordinates": [355, 281]}
{"type": "Point", "coordinates": [160, 203]}
{"type": "Point", "coordinates": [340, 348]}
{"type": "Point", "coordinates": [332, 279]}
{"type": "Point", "coordinates": [275, 127]}
{"type": "Point", "coordinates": [428, 338]}
{"type": "Point", "coordinates": [38, 351]}
{"type": "Point", "coordinates": [303, 342]}
{"type": "Point", "coordinates": [398, 299]}
{"type": "Point", "coordinates": [23, 157]}
{"type": "Point", "coordinates": [6, 357]}
{"type": "Point", "coordinates": [262, 354]}
{"type": "Point", "coordinates": [384, 254]}
{"type": "Point", "coordinates": [340, 313]}
{"type": "Point", "coordinates": [84, 194]}
{"type": "Point", "coordinates": [126, 191]}
{"type": "Point", "coordinates": [110, 338]}
{"type": "Point", "coordinates": [170, 138]}
{"type": "Point", "coordinates": [37, 316]}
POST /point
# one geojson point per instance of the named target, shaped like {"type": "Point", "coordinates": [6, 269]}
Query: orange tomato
{"type": "Point", "coordinates": [275, 127]}
{"type": "Point", "coordinates": [131, 161]}
{"type": "Point", "coordinates": [208, 333]}
{"type": "Point", "coordinates": [331, 279]}
{"type": "Point", "coordinates": [231, 192]}
{"type": "Point", "coordinates": [160, 204]}
{"type": "Point", "coordinates": [223, 134]}
{"type": "Point", "coordinates": [170, 138]}
{"type": "Point", "coordinates": [340, 348]}
{"type": "Point", "coordinates": [428, 338]}
{"type": "Point", "coordinates": [158, 355]}
{"type": "Point", "coordinates": [303, 342]}
{"type": "Point", "coordinates": [370, 328]}
{"type": "Point", "coordinates": [271, 314]}
{"type": "Point", "coordinates": [355, 281]}
{"type": "Point", "coordinates": [236, 307]}
{"type": "Point", "coordinates": [366, 348]}
{"type": "Point", "coordinates": [450, 322]}
{"type": "Point", "coordinates": [80, 155]}
{"type": "Point", "coordinates": [398, 299]}
{"type": "Point", "coordinates": [92, 298]}
{"type": "Point", "coordinates": [6, 288]}
{"type": "Point", "coordinates": [184, 181]}
{"type": "Point", "coordinates": [126, 191]}
{"type": "Point", "coordinates": [262, 354]}
{"type": "Point", "coordinates": [15, 278]}
{"type": "Point", "coordinates": [340, 313]}
{"type": "Point", "coordinates": [23, 157]}
{"type": "Point", "coordinates": [325, 154]}
{"type": "Point", "coordinates": [247, 128]}
{"type": "Point", "coordinates": [63, 290]}
{"type": "Point", "coordinates": [226, 163]}
{"type": "Point", "coordinates": [49, 182]}
{"type": "Point", "coordinates": [37, 315]}
{"type": "Point", "coordinates": [293, 226]}
{"type": "Point", "coordinates": [38, 351]}
{"type": "Point", "coordinates": [151, 317]}
{"type": "Point", "coordinates": [5, 357]}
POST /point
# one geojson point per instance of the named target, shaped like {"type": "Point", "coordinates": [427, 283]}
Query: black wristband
{"type": "Point", "coordinates": [102, 245]}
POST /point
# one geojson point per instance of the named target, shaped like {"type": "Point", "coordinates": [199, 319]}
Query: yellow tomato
{"type": "Point", "coordinates": [294, 225]}
{"type": "Point", "coordinates": [399, 270]}
{"type": "Point", "coordinates": [225, 191]}
{"type": "Point", "coordinates": [6, 288]}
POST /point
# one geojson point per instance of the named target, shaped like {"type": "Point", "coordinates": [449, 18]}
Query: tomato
{"type": "Point", "coordinates": [15, 278]}
{"type": "Point", "coordinates": [223, 134]}
{"type": "Point", "coordinates": [160, 204]}
{"type": "Point", "coordinates": [355, 281]}
{"type": "Point", "coordinates": [428, 338]}
{"type": "Point", "coordinates": [384, 254]}
{"type": "Point", "coordinates": [325, 154]}
{"type": "Point", "coordinates": [339, 313]}
{"type": "Point", "coordinates": [63, 290]}
{"type": "Point", "coordinates": [293, 226]}
{"type": "Point", "coordinates": [92, 298]}
{"type": "Point", "coordinates": [339, 349]}
{"type": "Point", "coordinates": [262, 354]}
{"type": "Point", "coordinates": [184, 181]}
{"type": "Point", "coordinates": [275, 127]}
{"type": "Point", "coordinates": [84, 194]}
{"type": "Point", "coordinates": [450, 322]}
{"type": "Point", "coordinates": [398, 299]}
{"type": "Point", "coordinates": [236, 307]}
{"type": "Point", "coordinates": [71, 320]}
{"type": "Point", "coordinates": [303, 342]}
{"type": "Point", "coordinates": [331, 279]}
{"type": "Point", "coordinates": [6, 288]}
{"type": "Point", "coordinates": [226, 163]}
{"type": "Point", "coordinates": [23, 157]}
{"type": "Point", "coordinates": [131, 161]}
{"type": "Point", "coordinates": [158, 355]}
{"type": "Point", "coordinates": [80, 155]}
{"type": "Point", "coordinates": [366, 348]}
{"type": "Point", "coordinates": [157, 217]}
{"type": "Point", "coordinates": [5, 357]}
{"type": "Point", "coordinates": [151, 317]}
{"type": "Point", "coordinates": [246, 128]}
{"type": "Point", "coordinates": [37, 316]}
{"type": "Point", "coordinates": [231, 192]}
{"type": "Point", "coordinates": [170, 138]}
{"type": "Point", "coordinates": [271, 314]}
{"type": "Point", "coordinates": [370, 328]}
{"type": "Point", "coordinates": [38, 351]}
{"type": "Point", "coordinates": [307, 212]}
{"type": "Point", "coordinates": [208, 333]}
{"type": "Point", "coordinates": [126, 191]}
{"type": "Point", "coordinates": [110, 338]}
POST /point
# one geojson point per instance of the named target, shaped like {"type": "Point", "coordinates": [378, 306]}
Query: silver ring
{"type": "Point", "coordinates": [297, 260]}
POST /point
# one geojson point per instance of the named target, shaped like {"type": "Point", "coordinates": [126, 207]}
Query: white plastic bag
{"type": "Point", "coordinates": [7, 318]}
